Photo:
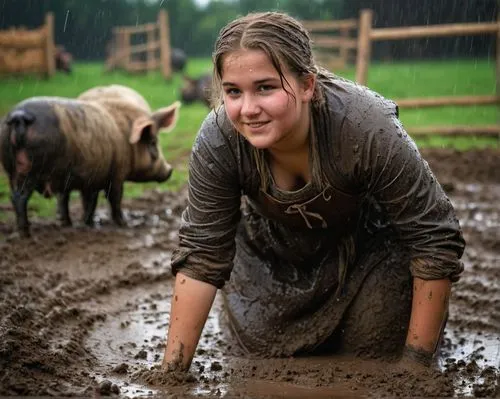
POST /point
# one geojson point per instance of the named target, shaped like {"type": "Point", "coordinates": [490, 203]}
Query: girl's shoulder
{"type": "Point", "coordinates": [356, 101]}
{"type": "Point", "coordinates": [217, 131]}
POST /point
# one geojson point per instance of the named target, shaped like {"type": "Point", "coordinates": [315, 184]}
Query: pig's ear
{"type": "Point", "coordinates": [138, 128]}
{"type": "Point", "coordinates": [166, 118]}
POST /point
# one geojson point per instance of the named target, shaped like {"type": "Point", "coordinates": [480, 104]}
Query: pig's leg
{"type": "Point", "coordinates": [63, 208]}
{"type": "Point", "coordinates": [89, 200]}
{"type": "Point", "coordinates": [115, 194]}
{"type": "Point", "coordinates": [21, 188]}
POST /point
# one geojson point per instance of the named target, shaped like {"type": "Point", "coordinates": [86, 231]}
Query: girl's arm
{"type": "Point", "coordinates": [390, 168]}
{"type": "Point", "coordinates": [202, 262]}
{"type": "Point", "coordinates": [428, 316]}
{"type": "Point", "coordinates": [191, 303]}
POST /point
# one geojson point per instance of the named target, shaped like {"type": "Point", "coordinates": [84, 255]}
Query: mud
{"type": "Point", "coordinates": [84, 312]}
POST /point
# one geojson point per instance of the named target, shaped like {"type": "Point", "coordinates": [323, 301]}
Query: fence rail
{"type": "Point", "coordinates": [368, 34]}
{"type": "Point", "coordinates": [447, 101]}
{"type": "Point", "coordinates": [465, 130]}
{"type": "Point", "coordinates": [414, 32]}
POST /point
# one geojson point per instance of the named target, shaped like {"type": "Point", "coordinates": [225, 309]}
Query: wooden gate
{"type": "Point", "coordinates": [121, 51]}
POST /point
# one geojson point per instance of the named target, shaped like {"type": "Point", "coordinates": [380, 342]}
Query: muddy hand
{"type": "Point", "coordinates": [418, 356]}
{"type": "Point", "coordinates": [415, 361]}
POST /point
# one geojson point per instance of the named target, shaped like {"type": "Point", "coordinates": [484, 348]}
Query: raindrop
{"type": "Point", "coordinates": [66, 21]}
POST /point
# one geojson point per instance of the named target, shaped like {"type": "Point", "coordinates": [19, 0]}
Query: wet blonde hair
{"type": "Point", "coordinates": [289, 47]}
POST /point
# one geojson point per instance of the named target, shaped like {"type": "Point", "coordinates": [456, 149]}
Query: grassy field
{"type": "Point", "coordinates": [394, 81]}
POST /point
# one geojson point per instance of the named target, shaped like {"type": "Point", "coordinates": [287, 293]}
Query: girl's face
{"type": "Point", "coordinates": [258, 105]}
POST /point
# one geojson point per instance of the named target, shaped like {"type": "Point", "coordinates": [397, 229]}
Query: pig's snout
{"type": "Point", "coordinates": [19, 120]}
{"type": "Point", "coordinates": [164, 173]}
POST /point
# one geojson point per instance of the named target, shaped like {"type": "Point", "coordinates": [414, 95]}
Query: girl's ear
{"type": "Point", "coordinates": [308, 87]}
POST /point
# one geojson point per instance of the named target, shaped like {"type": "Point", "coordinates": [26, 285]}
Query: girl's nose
{"type": "Point", "coordinates": [250, 106]}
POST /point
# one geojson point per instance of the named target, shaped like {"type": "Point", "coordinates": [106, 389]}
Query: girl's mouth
{"type": "Point", "coordinates": [256, 124]}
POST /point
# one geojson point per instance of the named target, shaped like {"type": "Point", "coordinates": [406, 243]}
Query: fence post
{"type": "Point", "coordinates": [166, 67]}
{"type": "Point", "coordinates": [112, 49]}
{"type": "Point", "coordinates": [497, 85]}
{"type": "Point", "coordinates": [344, 51]}
{"type": "Point", "coordinates": [150, 54]}
{"type": "Point", "coordinates": [49, 45]}
{"type": "Point", "coordinates": [364, 46]}
{"type": "Point", "coordinates": [127, 50]}
{"type": "Point", "coordinates": [122, 60]}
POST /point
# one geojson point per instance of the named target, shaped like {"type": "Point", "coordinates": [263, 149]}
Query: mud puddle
{"type": "Point", "coordinates": [137, 332]}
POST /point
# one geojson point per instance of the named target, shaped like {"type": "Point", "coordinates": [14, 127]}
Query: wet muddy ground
{"type": "Point", "coordinates": [84, 312]}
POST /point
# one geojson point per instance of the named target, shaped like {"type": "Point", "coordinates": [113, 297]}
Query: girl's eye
{"type": "Point", "coordinates": [265, 87]}
{"type": "Point", "coordinates": [232, 91]}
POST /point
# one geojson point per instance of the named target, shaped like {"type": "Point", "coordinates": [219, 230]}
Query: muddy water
{"type": "Point", "coordinates": [85, 312]}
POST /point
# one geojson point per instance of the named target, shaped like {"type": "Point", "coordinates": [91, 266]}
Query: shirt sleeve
{"type": "Point", "coordinates": [208, 225]}
{"type": "Point", "coordinates": [386, 162]}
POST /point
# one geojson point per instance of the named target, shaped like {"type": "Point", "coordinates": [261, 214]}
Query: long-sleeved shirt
{"type": "Point", "coordinates": [373, 169]}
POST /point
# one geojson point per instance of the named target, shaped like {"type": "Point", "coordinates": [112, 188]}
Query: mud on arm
{"type": "Point", "coordinates": [203, 261]}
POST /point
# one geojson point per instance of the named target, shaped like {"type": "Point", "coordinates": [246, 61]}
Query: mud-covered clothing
{"type": "Point", "coordinates": [301, 256]}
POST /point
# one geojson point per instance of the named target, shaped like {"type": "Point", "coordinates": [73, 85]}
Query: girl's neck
{"type": "Point", "coordinates": [290, 162]}
{"type": "Point", "coordinates": [296, 143]}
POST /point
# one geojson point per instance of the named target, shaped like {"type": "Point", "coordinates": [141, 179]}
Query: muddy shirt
{"type": "Point", "coordinates": [374, 171]}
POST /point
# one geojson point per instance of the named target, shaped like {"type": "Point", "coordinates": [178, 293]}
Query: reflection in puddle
{"type": "Point", "coordinates": [134, 335]}
{"type": "Point", "coordinates": [474, 353]}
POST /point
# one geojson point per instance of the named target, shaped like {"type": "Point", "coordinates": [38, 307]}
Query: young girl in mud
{"type": "Point", "coordinates": [312, 209]}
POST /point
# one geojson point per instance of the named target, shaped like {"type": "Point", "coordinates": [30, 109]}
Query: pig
{"type": "Point", "coordinates": [178, 59]}
{"type": "Point", "coordinates": [55, 145]}
{"type": "Point", "coordinates": [115, 91]}
{"type": "Point", "coordinates": [63, 59]}
{"type": "Point", "coordinates": [196, 89]}
{"type": "Point", "coordinates": [105, 93]}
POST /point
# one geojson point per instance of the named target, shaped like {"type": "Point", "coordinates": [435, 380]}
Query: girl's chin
{"type": "Point", "coordinates": [261, 143]}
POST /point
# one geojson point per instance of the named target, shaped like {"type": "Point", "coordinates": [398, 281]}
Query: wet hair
{"type": "Point", "coordinates": [289, 47]}
{"type": "Point", "coordinates": [282, 38]}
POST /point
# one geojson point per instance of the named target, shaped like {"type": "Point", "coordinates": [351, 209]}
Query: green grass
{"type": "Point", "coordinates": [395, 81]}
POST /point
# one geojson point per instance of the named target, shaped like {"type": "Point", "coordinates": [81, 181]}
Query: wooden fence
{"type": "Point", "coordinates": [25, 51]}
{"type": "Point", "coordinates": [156, 49]}
{"type": "Point", "coordinates": [368, 34]}
{"type": "Point", "coordinates": [334, 41]}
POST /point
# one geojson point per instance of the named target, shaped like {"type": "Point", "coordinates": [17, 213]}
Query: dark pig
{"type": "Point", "coordinates": [55, 145]}
{"type": "Point", "coordinates": [64, 60]}
{"type": "Point", "coordinates": [196, 89]}
{"type": "Point", "coordinates": [178, 59]}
